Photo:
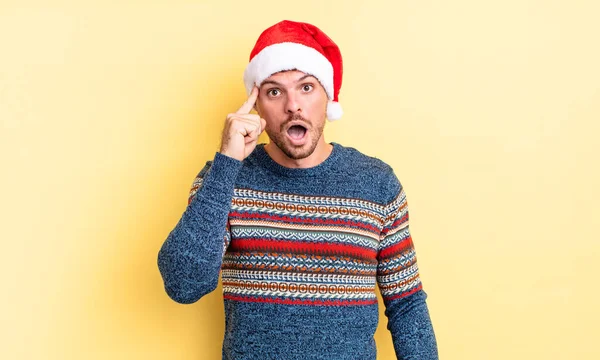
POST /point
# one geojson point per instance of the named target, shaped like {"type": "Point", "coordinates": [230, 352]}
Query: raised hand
{"type": "Point", "coordinates": [241, 130]}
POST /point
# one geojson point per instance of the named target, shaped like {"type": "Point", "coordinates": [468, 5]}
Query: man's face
{"type": "Point", "coordinates": [294, 105]}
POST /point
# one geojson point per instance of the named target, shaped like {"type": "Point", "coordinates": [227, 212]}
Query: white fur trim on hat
{"type": "Point", "coordinates": [289, 56]}
{"type": "Point", "coordinates": [334, 110]}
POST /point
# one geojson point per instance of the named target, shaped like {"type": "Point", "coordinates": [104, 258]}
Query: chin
{"type": "Point", "coordinates": [292, 151]}
{"type": "Point", "coordinates": [301, 151]}
{"type": "Point", "coordinates": [298, 153]}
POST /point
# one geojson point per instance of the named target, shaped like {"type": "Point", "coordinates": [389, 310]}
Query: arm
{"type": "Point", "coordinates": [190, 259]}
{"type": "Point", "coordinates": [400, 285]}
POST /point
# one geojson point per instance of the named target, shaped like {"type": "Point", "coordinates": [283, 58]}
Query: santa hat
{"type": "Point", "coordinates": [290, 45]}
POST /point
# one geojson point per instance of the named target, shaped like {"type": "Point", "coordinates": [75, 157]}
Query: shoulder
{"type": "Point", "coordinates": [220, 162]}
{"type": "Point", "coordinates": [375, 171]}
{"type": "Point", "coordinates": [367, 162]}
{"type": "Point", "coordinates": [200, 175]}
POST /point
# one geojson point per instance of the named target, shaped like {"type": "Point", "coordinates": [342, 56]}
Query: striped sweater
{"type": "Point", "coordinates": [300, 252]}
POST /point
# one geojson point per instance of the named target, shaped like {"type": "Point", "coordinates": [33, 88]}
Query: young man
{"type": "Point", "coordinates": [300, 230]}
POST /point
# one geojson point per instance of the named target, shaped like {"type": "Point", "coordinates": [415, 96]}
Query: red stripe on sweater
{"type": "Point", "coordinates": [300, 301]}
{"type": "Point", "coordinates": [396, 248]}
{"type": "Point", "coordinates": [249, 244]}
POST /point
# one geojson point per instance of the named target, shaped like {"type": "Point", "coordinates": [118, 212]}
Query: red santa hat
{"type": "Point", "coordinates": [290, 45]}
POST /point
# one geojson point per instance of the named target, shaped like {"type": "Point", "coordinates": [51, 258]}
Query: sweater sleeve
{"type": "Point", "coordinates": [190, 258]}
{"type": "Point", "coordinates": [400, 285]}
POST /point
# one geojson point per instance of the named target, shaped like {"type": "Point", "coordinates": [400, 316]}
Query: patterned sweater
{"type": "Point", "coordinates": [300, 252]}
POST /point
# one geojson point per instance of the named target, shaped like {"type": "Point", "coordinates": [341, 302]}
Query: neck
{"type": "Point", "coordinates": [322, 151]}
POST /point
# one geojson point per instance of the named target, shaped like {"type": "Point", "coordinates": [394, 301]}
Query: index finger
{"type": "Point", "coordinates": [249, 104]}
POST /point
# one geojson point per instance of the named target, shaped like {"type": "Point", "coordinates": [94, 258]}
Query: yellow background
{"type": "Point", "coordinates": [489, 112]}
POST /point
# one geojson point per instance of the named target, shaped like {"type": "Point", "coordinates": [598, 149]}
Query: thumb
{"type": "Point", "coordinates": [263, 124]}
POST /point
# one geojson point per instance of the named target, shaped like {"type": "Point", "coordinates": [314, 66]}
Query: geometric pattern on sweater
{"type": "Point", "coordinates": [315, 250]}
{"type": "Point", "coordinates": [285, 241]}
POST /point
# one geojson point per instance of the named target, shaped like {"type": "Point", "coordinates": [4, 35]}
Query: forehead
{"type": "Point", "coordinates": [288, 76]}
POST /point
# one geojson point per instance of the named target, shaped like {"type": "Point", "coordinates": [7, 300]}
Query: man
{"type": "Point", "coordinates": [300, 230]}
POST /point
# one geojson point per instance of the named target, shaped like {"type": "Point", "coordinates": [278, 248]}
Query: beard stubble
{"type": "Point", "coordinates": [292, 151]}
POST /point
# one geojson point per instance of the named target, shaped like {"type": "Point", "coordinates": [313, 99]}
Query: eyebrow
{"type": "Point", "coordinates": [278, 84]}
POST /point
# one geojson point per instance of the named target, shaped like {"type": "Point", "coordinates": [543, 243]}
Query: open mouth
{"type": "Point", "coordinates": [296, 132]}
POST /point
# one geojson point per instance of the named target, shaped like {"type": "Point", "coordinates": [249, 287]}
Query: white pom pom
{"type": "Point", "coordinates": [334, 110]}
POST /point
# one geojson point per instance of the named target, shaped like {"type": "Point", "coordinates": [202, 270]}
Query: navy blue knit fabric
{"type": "Point", "coordinates": [197, 250]}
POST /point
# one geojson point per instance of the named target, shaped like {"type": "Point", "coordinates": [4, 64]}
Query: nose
{"type": "Point", "coordinates": [292, 105]}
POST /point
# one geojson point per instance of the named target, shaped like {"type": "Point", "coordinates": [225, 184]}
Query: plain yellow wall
{"type": "Point", "coordinates": [489, 112]}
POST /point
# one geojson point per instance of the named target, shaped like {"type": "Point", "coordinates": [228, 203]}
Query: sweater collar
{"type": "Point", "coordinates": [265, 160]}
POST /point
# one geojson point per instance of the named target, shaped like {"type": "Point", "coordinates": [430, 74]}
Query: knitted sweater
{"type": "Point", "coordinates": [300, 252]}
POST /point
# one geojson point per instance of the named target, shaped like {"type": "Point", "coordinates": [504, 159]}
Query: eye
{"type": "Point", "coordinates": [307, 87]}
{"type": "Point", "coordinates": [273, 92]}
